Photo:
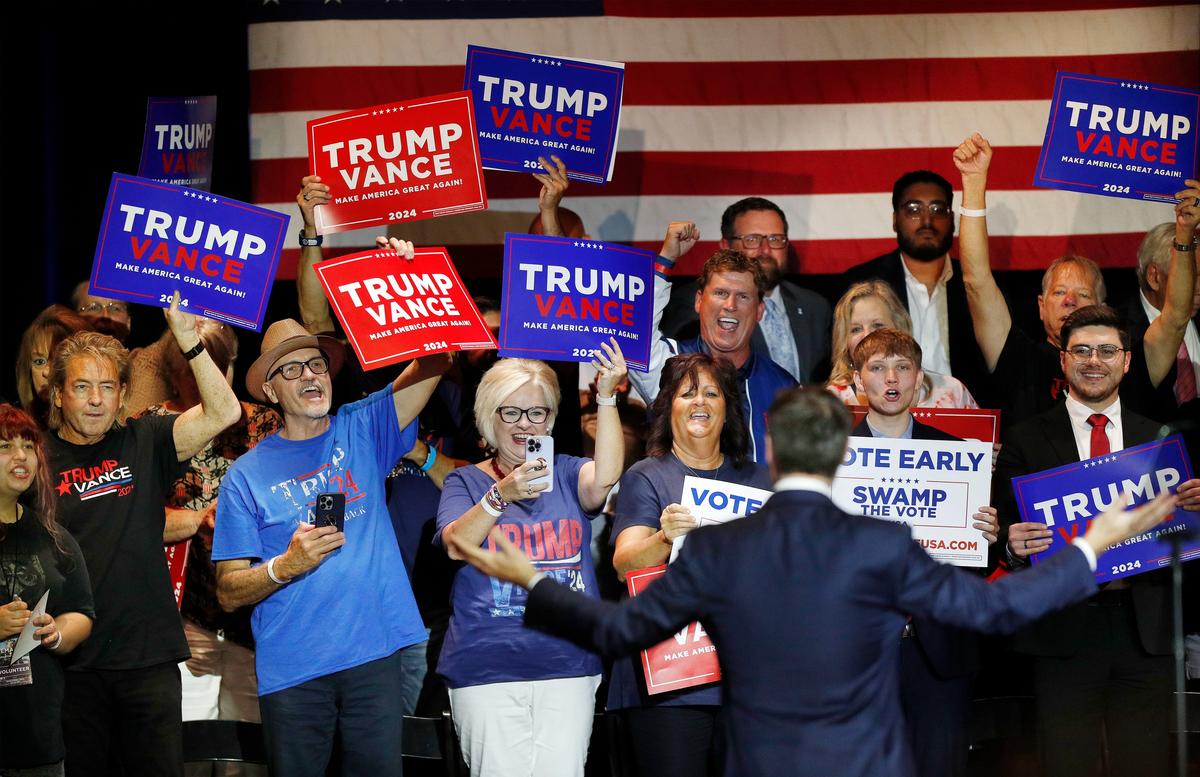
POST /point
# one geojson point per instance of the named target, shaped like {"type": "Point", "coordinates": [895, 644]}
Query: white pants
{"type": "Point", "coordinates": [218, 680]}
{"type": "Point", "coordinates": [539, 728]}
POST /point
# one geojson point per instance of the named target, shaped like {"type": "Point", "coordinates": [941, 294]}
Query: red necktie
{"type": "Point", "coordinates": [1185, 376]}
{"type": "Point", "coordinates": [1099, 437]}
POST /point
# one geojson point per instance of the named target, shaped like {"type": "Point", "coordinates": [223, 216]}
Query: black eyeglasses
{"type": "Point", "coordinates": [510, 415]}
{"type": "Point", "coordinates": [913, 210]}
{"type": "Point", "coordinates": [1083, 353]}
{"type": "Point", "coordinates": [754, 241]}
{"type": "Point", "coordinates": [319, 365]}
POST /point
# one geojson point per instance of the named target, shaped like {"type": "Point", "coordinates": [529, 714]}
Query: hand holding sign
{"type": "Point", "coordinates": [676, 521]}
{"type": "Point", "coordinates": [1029, 537]}
{"type": "Point", "coordinates": [610, 368]}
{"type": "Point", "coordinates": [681, 236]}
{"type": "Point", "coordinates": [1187, 211]}
{"type": "Point", "coordinates": [554, 183]}
{"type": "Point", "coordinates": [181, 324]}
{"type": "Point", "coordinates": [987, 521]}
{"type": "Point", "coordinates": [973, 156]}
{"type": "Point", "coordinates": [12, 618]}
{"type": "Point", "coordinates": [1189, 495]}
{"type": "Point", "coordinates": [403, 248]}
{"type": "Point", "coordinates": [312, 193]}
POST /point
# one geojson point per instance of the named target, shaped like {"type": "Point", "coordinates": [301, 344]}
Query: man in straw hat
{"type": "Point", "coordinates": [333, 607]}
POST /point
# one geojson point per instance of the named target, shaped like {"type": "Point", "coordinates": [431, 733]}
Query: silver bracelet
{"type": "Point", "coordinates": [271, 572]}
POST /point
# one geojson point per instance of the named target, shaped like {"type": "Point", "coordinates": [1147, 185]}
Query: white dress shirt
{"type": "Point", "coordinates": [930, 318]}
{"type": "Point", "coordinates": [1079, 413]}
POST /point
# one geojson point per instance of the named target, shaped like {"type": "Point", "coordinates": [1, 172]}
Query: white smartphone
{"type": "Point", "coordinates": [541, 446]}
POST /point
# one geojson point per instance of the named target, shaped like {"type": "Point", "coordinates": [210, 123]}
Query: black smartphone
{"type": "Point", "coordinates": [331, 510]}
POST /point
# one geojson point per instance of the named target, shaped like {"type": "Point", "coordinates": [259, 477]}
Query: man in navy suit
{"type": "Point", "coordinates": [804, 603]}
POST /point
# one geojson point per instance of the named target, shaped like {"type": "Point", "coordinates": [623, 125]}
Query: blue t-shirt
{"type": "Point", "coordinates": [487, 641]}
{"type": "Point", "coordinates": [357, 606]}
{"type": "Point", "coordinates": [646, 489]}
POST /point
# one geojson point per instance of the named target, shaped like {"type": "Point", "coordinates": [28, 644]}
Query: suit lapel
{"type": "Point", "coordinates": [1059, 435]}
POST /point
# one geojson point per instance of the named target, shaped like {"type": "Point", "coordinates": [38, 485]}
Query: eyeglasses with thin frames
{"type": "Point", "coordinates": [914, 210]}
{"type": "Point", "coordinates": [1083, 353]}
{"type": "Point", "coordinates": [100, 307]}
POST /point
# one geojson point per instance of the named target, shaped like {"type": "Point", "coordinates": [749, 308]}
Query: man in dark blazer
{"type": "Point", "coordinates": [923, 220]}
{"type": "Point", "coordinates": [1103, 665]}
{"type": "Point", "coordinates": [937, 663]}
{"type": "Point", "coordinates": [794, 331]}
{"type": "Point", "coordinates": [804, 602]}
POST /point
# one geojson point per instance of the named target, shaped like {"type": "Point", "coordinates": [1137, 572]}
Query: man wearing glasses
{"type": "Point", "coordinates": [1104, 664]}
{"type": "Point", "coordinates": [334, 610]}
{"type": "Point", "coordinates": [107, 316]}
{"type": "Point", "coordinates": [794, 330]}
{"type": "Point", "coordinates": [926, 279]}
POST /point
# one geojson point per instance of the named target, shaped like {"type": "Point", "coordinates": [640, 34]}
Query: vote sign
{"type": "Point", "coordinates": [934, 486]}
{"type": "Point", "coordinates": [397, 162]}
{"type": "Point", "coordinates": [1119, 138]}
{"type": "Point", "coordinates": [177, 146]}
{"type": "Point", "coordinates": [1067, 498]}
{"type": "Point", "coordinates": [563, 297]}
{"type": "Point", "coordinates": [394, 310]}
{"type": "Point", "coordinates": [531, 105]}
{"type": "Point", "coordinates": [713, 502]}
{"type": "Point", "coordinates": [220, 254]}
{"type": "Point", "coordinates": [685, 660]}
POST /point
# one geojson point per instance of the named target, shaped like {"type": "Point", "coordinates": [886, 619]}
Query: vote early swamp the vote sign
{"type": "Point", "coordinates": [1067, 498]}
{"type": "Point", "coordinates": [220, 254]}
{"type": "Point", "coordinates": [934, 486]}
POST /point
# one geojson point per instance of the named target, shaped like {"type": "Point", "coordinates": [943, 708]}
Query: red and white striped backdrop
{"type": "Point", "coordinates": [818, 106]}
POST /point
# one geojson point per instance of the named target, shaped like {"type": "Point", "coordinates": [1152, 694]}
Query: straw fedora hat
{"type": "Point", "coordinates": [284, 337]}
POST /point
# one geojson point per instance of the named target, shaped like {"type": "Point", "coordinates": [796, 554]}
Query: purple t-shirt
{"type": "Point", "coordinates": [487, 641]}
{"type": "Point", "coordinates": [646, 489]}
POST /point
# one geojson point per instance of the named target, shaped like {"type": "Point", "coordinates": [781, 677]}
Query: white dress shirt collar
{"type": "Point", "coordinates": [804, 483]}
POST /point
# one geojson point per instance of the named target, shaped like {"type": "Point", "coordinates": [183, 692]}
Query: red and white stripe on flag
{"type": "Point", "coordinates": [817, 106]}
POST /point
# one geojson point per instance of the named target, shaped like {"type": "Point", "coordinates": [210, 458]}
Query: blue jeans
{"type": "Point", "coordinates": [414, 667]}
{"type": "Point", "coordinates": [362, 703]}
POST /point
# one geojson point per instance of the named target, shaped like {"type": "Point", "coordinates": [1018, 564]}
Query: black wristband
{"type": "Point", "coordinates": [306, 242]}
{"type": "Point", "coordinates": [197, 349]}
{"type": "Point", "coordinates": [1184, 248]}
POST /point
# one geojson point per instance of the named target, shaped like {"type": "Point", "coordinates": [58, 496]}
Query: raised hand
{"type": "Point", "coordinates": [312, 193]}
{"type": "Point", "coordinates": [973, 156]}
{"type": "Point", "coordinates": [681, 236]}
{"type": "Point", "coordinates": [610, 368]}
{"type": "Point", "coordinates": [554, 183]}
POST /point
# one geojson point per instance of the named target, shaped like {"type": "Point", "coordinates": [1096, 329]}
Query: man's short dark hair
{"type": "Point", "coordinates": [729, 260]}
{"type": "Point", "coordinates": [1095, 315]}
{"type": "Point", "coordinates": [808, 428]}
{"type": "Point", "coordinates": [919, 176]}
{"type": "Point", "coordinates": [745, 206]}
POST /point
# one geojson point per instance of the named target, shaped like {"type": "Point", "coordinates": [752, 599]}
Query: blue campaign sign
{"type": "Point", "coordinates": [177, 147]}
{"type": "Point", "coordinates": [220, 254]}
{"type": "Point", "coordinates": [1067, 498]}
{"type": "Point", "coordinates": [531, 105]}
{"type": "Point", "coordinates": [563, 297]}
{"type": "Point", "coordinates": [1119, 138]}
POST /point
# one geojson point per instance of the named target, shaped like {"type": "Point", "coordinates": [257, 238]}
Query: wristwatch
{"type": "Point", "coordinates": [306, 242]}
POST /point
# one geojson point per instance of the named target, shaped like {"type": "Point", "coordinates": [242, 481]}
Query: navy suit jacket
{"type": "Point", "coordinates": [805, 605]}
{"type": "Point", "coordinates": [949, 652]}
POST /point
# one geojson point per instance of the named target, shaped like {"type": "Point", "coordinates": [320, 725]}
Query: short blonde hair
{"type": "Point", "coordinates": [843, 362]}
{"type": "Point", "coordinates": [92, 345]}
{"type": "Point", "coordinates": [505, 377]}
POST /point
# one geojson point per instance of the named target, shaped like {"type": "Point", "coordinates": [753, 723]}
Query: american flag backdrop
{"type": "Point", "coordinates": [818, 106]}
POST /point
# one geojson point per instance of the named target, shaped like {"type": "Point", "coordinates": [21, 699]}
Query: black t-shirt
{"type": "Point", "coordinates": [30, 563]}
{"type": "Point", "coordinates": [1028, 378]}
{"type": "Point", "coordinates": [111, 496]}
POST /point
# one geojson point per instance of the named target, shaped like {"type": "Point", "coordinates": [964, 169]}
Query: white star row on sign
{"type": "Point", "coordinates": [199, 196]}
{"type": "Point", "coordinates": [382, 111]}
{"type": "Point", "coordinates": [542, 61]}
{"type": "Point", "coordinates": [1131, 85]}
{"type": "Point", "coordinates": [585, 244]}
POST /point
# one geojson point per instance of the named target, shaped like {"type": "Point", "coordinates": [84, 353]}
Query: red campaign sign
{"type": "Point", "coordinates": [685, 660]}
{"type": "Point", "coordinates": [177, 556]}
{"type": "Point", "coordinates": [394, 310]}
{"type": "Point", "coordinates": [967, 423]}
{"type": "Point", "coordinates": [402, 161]}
